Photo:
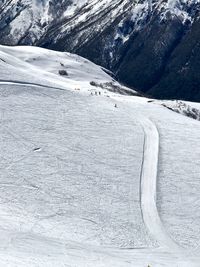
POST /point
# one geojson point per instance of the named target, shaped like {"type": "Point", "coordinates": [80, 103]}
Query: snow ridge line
{"type": "Point", "coordinates": [148, 188]}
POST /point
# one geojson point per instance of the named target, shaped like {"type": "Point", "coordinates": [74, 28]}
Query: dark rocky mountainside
{"type": "Point", "coordinates": [153, 46]}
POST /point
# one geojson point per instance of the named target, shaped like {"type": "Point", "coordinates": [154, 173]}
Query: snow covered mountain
{"type": "Point", "coordinates": [149, 45]}
{"type": "Point", "coordinates": [90, 177]}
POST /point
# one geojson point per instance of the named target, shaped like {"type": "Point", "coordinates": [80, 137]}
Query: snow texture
{"type": "Point", "coordinates": [90, 177]}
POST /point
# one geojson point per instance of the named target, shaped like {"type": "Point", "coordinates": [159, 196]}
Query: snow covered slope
{"type": "Point", "coordinates": [75, 159]}
{"type": "Point", "coordinates": [156, 42]}
{"type": "Point", "coordinates": [37, 66]}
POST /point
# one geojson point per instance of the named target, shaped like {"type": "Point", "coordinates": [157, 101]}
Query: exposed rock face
{"type": "Point", "coordinates": [181, 78]}
{"type": "Point", "coordinates": [150, 45]}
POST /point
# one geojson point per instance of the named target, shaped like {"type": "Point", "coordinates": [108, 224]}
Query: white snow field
{"type": "Point", "coordinates": [89, 178]}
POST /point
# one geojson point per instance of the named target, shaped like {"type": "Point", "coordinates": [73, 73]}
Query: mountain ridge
{"type": "Point", "coordinates": [136, 40]}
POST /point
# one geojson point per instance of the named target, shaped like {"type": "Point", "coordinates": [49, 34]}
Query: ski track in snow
{"type": "Point", "coordinates": [18, 83]}
{"type": "Point", "coordinates": [149, 186]}
{"type": "Point", "coordinates": [33, 244]}
{"type": "Point", "coordinates": [148, 177]}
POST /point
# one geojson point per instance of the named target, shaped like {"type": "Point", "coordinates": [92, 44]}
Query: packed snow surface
{"type": "Point", "coordinates": [89, 177]}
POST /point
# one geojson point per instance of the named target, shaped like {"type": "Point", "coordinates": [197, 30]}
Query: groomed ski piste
{"type": "Point", "coordinates": [91, 178]}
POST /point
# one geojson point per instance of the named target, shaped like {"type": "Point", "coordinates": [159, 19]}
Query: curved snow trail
{"type": "Point", "coordinates": [149, 186]}
{"type": "Point", "coordinates": [13, 82]}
